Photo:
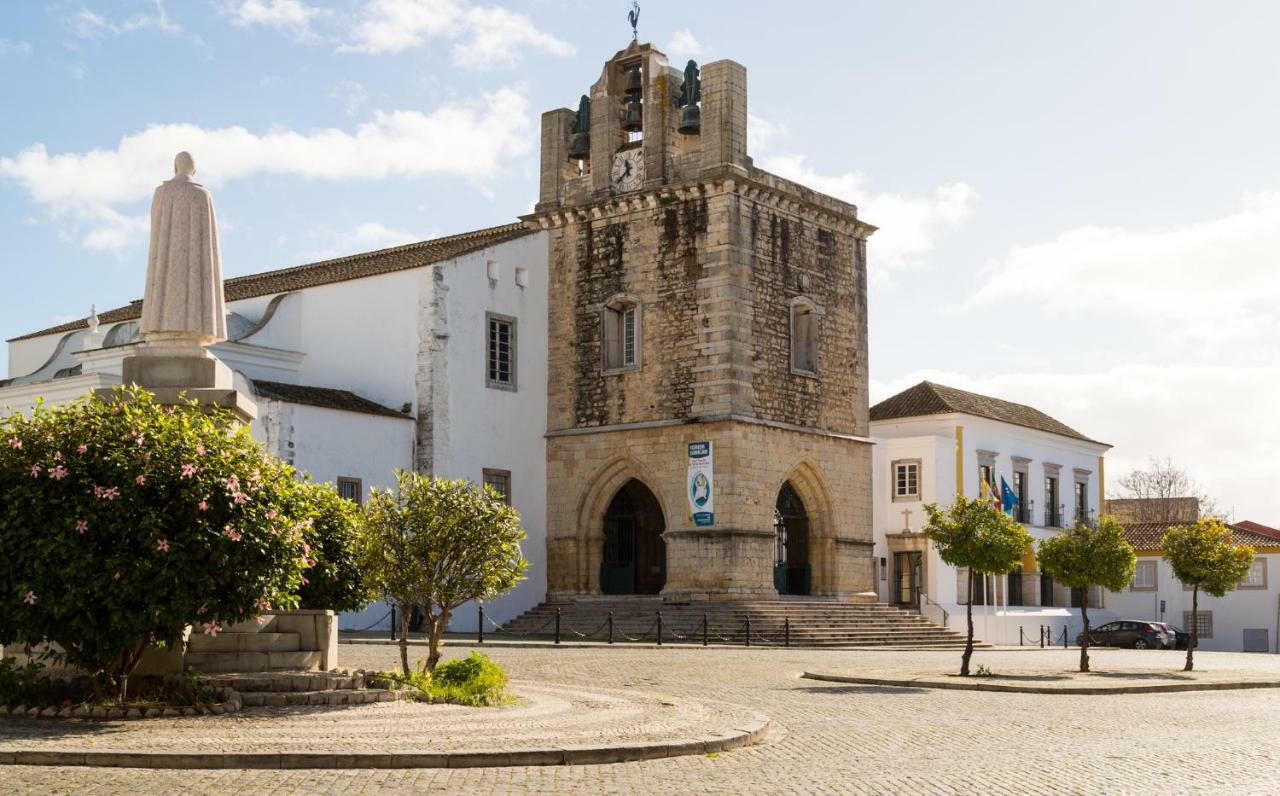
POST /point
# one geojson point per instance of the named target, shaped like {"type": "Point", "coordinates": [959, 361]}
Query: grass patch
{"type": "Point", "coordinates": [474, 680]}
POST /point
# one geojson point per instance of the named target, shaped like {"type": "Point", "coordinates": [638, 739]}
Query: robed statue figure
{"type": "Point", "coordinates": [183, 305]}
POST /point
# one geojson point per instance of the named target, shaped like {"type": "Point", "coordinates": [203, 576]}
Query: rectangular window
{"type": "Point", "coordinates": [1020, 489]}
{"type": "Point", "coordinates": [987, 475]}
{"type": "Point", "coordinates": [1144, 576]}
{"type": "Point", "coordinates": [1204, 619]}
{"type": "Point", "coordinates": [804, 338]}
{"type": "Point", "coordinates": [351, 488]}
{"type": "Point", "coordinates": [906, 480]}
{"type": "Point", "coordinates": [1257, 577]}
{"type": "Point", "coordinates": [501, 481]}
{"type": "Point", "coordinates": [1052, 515]}
{"type": "Point", "coordinates": [500, 360]}
{"type": "Point", "coordinates": [1082, 501]}
{"type": "Point", "coordinates": [620, 335]}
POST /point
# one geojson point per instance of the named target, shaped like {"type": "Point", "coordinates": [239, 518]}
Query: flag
{"type": "Point", "coordinates": [1008, 498]}
{"type": "Point", "coordinates": [988, 491]}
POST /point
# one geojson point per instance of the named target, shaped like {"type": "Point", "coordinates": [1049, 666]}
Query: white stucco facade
{"type": "Point", "coordinates": [949, 450]}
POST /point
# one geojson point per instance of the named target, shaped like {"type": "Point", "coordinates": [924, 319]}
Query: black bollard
{"type": "Point", "coordinates": [786, 631]}
{"type": "Point", "coordinates": [480, 624]}
{"type": "Point", "coordinates": [611, 627]}
{"type": "Point", "coordinates": [393, 622]}
{"type": "Point", "coordinates": [659, 628]}
{"type": "Point", "coordinates": [704, 629]}
{"type": "Point", "coordinates": [748, 637]}
{"type": "Point", "coordinates": [557, 625]}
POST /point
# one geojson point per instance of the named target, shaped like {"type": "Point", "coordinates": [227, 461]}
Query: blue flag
{"type": "Point", "coordinates": [1008, 498]}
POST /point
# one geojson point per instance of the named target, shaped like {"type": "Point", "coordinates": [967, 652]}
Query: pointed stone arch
{"type": "Point", "coordinates": [594, 501]}
{"type": "Point", "coordinates": [809, 483]}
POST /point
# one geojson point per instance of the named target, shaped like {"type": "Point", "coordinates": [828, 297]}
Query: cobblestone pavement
{"type": "Point", "coordinates": [833, 738]}
{"type": "Point", "coordinates": [545, 716]}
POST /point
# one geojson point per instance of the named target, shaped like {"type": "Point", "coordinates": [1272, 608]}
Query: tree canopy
{"type": "Point", "coordinates": [1203, 556]}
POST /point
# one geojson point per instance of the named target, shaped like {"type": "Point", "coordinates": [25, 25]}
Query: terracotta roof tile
{"type": "Point", "coordinates": [323, 397]}
{"type": "Point", "coordinates": [927, 398]}
{"type": "Point", "coordinates": [1149, 536]}
{"type": "Point", "coordinates": [340, 269]}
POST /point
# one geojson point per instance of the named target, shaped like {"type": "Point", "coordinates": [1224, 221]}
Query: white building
{"type": "Point", "coordinates": [365, 364]}
{"type": "Point", "coordinates": [1245, 619]}
{"type": "Point", "coordinates": [934, 442]}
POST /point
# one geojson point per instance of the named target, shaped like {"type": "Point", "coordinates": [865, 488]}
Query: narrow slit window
{"type": "Point", "coordinates": [804, 337]}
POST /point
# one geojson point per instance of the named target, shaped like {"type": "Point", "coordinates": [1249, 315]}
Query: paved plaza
{"type": "Point", "coordinates": [825, 737]}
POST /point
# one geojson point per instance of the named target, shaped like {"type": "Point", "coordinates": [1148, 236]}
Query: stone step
{"type": "Point", "coordinates": [244, 642]}
{"type": "Point", "coordinates": [340, 696]}
{"type": "Point", "coordinates": [207, 662]}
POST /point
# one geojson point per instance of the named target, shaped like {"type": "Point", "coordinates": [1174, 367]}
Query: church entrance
{"type": "Point", "coordinates": [906, 575]}
{"type": "Point", "coordinates": [635, 556]}
{"type": "Point", "coordinates": [792, 572]}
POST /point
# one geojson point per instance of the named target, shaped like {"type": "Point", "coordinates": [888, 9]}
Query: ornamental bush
{"type": "Point", "coordinates": [122, 521]}
{"type": "Point", "coordinates": [335, 580]}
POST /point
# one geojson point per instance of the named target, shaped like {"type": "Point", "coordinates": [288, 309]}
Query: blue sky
{"type": "Point", "coordinates": [1080, 204]}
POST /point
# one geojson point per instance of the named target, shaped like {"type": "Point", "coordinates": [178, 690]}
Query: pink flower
{"type": "Point", "coordinates": [240, 497]}
{"type": "Point", "coordinates": [58, 473]}
{"type": "Point", "coordinates": [82, 449]}
{"type": "Point", "coordinates": [233, 484]}
{"type": "Point", "coordinates": [35, 471]}
{"type": "Point", "coordinates": [118, 575]}
{"type": "Point", "coordinates": [261, 604]}
{"type": "Point", "coordinates": [188, 470]}
{"type": "Point", "coordinates": [203, 607]}
{"type": "Point", "coordinates": [140, 480]}
{"type": "Point", "coordinates": [211, 629]}
{"type": "Point", "coordinates": [231, 533]}
{"type": "Point", "coordinates": [81, 526]}
{"type": "Point", "coordinates": [271, 514]}
{"type": "Point", "coordinates": [57, 456]}
{"type": "Point", "coordinates": [203, 506]}
{"type": "Point", "coordinates": [15, 443]}
{"type": "Point", "coordinates": [141, 440]}
{"type": "Point", "coordinates": [162, 545]}
{"type": "Point", "coordinates": [106, 493]}
{"type": "Point", "coordinates": [200, 448]}
{"type": "Point", "coordinates": [30, 599]}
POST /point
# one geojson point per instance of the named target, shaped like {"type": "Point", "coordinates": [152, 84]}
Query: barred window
{"type": "Point", "coordinates": [351, 489]}
{"type": "Point", "coordinates": [1204, 623]}
{"type": "Point", "coordinates": [500, 361]}
{"type": "Point", "coordinates": [501, 481]}
{"type": "Point", "coordinates": [620, 333]}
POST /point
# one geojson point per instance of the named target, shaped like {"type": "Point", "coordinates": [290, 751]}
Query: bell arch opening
{"type": "Point", "coordinates": [793, 569]}
{"type": "Point", "coordinates": [634, 559]}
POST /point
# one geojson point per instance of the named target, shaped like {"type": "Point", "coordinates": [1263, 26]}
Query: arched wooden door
{"type": "Point", "coordinates": [792, 571]}
{"type": "Point", "coordinates": [635, 555]}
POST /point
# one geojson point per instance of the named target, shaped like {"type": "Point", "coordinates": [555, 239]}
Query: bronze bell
{"type": "Point", "coordinates": [635, 83]}
{"type": "Point", "coordinates": [633, 121]}
{"type": "Point", "coordinates": [690, 121]}
{"type": "Point", "coordinates": [580, 146]}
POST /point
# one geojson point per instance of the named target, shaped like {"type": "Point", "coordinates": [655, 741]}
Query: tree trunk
{"type": "Point", "coordinates": [1195, 628]}
{"type": "Point", "coordinates": [968, 643]}
{"type": "Point", "coordinates": [438, 624]}
{"type": "Point", "coordinates": [404, 637]}
{"type": "Point", "coordinates": [1084, 637]}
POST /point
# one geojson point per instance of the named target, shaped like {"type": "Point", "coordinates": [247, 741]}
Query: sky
{"type": "Point", "coordinates": [1079, 204]}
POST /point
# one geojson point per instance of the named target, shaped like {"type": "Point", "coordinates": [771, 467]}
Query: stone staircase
{"type": "Point", "coordinates": [814, 622]}
{"type": "Point", "coordinates": [292, 689]}
{"type": "Point", "coordinates": [295, 641]}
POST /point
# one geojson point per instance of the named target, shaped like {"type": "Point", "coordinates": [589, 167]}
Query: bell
{"type": "Point", "coordinates": [635, 83]}
{"type": "Point", "coordinates": [580, 146]}
{"type": "Point", "coordinates": [633, 122]}
{"type": "Point", "coordinates": [690, 121]}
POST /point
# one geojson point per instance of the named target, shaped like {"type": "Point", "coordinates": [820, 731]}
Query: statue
{"type": "Point", "coordinates": [183, 306]}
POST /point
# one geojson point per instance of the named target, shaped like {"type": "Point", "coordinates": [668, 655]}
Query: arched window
{"type": "Point", "coordinates": [804, 336]}
{"type": "Point", "coordinates": [620, 333]}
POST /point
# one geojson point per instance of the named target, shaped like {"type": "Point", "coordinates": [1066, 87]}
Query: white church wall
{"type": "Point", "coordinates": [330, 444]}
{"type": "Point", "coordinates": [496, 428]}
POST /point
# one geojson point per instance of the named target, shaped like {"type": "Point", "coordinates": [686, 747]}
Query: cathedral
{"type": "Point", "coordinates": [663, 366]}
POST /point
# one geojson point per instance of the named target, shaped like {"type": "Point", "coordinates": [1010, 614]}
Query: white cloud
{"type": "Point", "coordinates": [88, 24]}
{"type": "Point", "coordinates": [1211, 282]}
{"type": "Point", "coordinates": [909, 225]}
{"type": "Point", "coordinates": [684, 45]}
{"type": "Point", "coordinates": [12, 47]}
{"type": "Point", "coordinates": [761, 133]}
{"type": "Point", "coordinates": [351, 94]}
{"type": "Point", "coordinates": [369, 236]}
{"type": "Point", "coordinates": [1217, 422]}
{"type": "Point", "coordinates": [472, 141]}
{"type": "Point", "coordinates": [291, 16]}
{"type": "Point", "coordinates": [482, 36]}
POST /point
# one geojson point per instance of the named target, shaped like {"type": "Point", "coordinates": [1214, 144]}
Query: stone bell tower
{"type": "Point", "coordinates": [707, 412]}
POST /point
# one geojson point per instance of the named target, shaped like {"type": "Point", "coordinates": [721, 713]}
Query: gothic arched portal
{"type": "Point", "coordinates": [792, 571]}
{"type": "Point", "coordinates": [634, 559]}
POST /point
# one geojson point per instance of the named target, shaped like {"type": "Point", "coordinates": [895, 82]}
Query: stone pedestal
{"type": "Point", "coordinates": [177, 376]}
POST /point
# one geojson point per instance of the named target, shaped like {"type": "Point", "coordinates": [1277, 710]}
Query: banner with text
{"type": "Point", "coordinates": [701, 484]}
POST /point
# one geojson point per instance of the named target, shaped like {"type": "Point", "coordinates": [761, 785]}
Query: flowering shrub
{"type": "Point", "coordinates": [122, 521]}
{"type": "Point", "coordinates": [335, 580]}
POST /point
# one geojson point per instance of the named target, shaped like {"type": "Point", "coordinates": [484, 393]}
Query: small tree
{"type": "Point", "coordinates": [975, 535]}
{"type": "Point", "coordinates": [122, 521]}
{"type": "Point", "coordinates": [1082, 557]}
{"type": "Point", "coordinates": [439, 543]}
{"type": "Point", "coordinates": [334, 580]}
{"type": "Point", "coordinates": [1204, 557]}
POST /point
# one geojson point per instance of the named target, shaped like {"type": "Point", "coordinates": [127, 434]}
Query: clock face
{"type": "Point", "coordinates": [628, 170]}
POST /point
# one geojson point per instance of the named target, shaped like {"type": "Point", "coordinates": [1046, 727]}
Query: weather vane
{"type": "Point", "coordinates": [633, 16]}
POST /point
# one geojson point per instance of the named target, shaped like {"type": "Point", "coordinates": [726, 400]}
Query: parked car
{"type": "Point", "coordinates": [1132, 633]}
{"type": "Point", "coordinates": [1181, 637]}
